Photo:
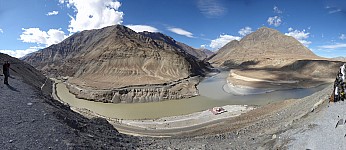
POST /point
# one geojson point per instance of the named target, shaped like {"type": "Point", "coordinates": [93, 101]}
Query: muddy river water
{"type": "Point", "coordinates": [212, 93]}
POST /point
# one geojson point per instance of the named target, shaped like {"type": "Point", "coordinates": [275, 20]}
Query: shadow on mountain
{"type": "Point", "coordinates": [229, 64]}
{"type": "Point", "coordinates": [308, 73]}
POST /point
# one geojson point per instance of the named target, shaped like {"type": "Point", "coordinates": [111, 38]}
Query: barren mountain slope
{"type": "Point", "coordinates": [23, 71]}
{"type": "Point", "coordinates": [207, 52]}
{"type": "Point", "coordinates": [201, 55]}
{"type": "Point", "coordinates": [265, 47]}
{"type": "Point", "coordinates": [338, 59]}
{"type": "Point", "coordinates": [273, 60]}
{"type": "Point", "coordinates": [114, 57]}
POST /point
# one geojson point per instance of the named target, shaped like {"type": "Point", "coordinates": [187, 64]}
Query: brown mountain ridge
{"type": "Point", "coordinates": [265, 47]}
{"type": "Point", "coordinates": [115, 58]}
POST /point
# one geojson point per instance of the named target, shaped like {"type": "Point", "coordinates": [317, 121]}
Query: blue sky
{"type": "Point", "coordinates": [29, 25]}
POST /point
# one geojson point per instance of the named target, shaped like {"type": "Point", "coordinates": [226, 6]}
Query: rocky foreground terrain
{"type": "Point", "coordinates": [105, 62]}
{"type": "Point", "coordinates": [31, 119]}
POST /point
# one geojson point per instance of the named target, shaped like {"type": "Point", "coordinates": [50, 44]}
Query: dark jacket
{"type": "Point", "coordinates": [6, 68]}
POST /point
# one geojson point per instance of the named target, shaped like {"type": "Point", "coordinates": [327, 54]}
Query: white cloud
{"type": "Point", "coordinates": [301, 36]}
{"type": "Point", "coordinates": [92, 14]}
{"type": "Point", "coordinates": [1, 31]}
{"type": "Point", "coordinates": [211, 8]}
{"type": "Point", "coordinates": [222, 40]}
{"type": "Point", "coordinates": [334, 46]}
{"type": "Point", "coordinates": [20, 53]}
{"type": "Point", "coordinates": [245, 31]}
{"type": "Point", "coordinates": [290, 29]}
{"type": "Point", "coordinates": [334, 11]}
{"type": "Point", "coordinates": [141, 28]}
{"type": "Point", "coordinates": [276, 21]}
{"type": "Point", "coordinates": [342, 37]}
{"type": "Point", "coordinates": [35, 35]}
{"type": "Point", "coordinates": [52, 13]}
{"type": "Point", "coordinates": [181, 32]}
{"type": "Point", "coordinates": [277, 10]}
{"type": "Point", "coordinates": [203, 46]}
{"type": "Point", "coordinates": [298, 34]}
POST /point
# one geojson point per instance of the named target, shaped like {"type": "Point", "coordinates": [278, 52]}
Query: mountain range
{"type": "Point", "coordinates": [116, 64]}
{"type": "Point", "coordinates": [116, 57]}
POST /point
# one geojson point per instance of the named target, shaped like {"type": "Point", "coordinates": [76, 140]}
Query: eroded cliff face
{"type": "Point", "coordinates": [116, 57]}
{"type": "Point", "coordinates": [183, 88]}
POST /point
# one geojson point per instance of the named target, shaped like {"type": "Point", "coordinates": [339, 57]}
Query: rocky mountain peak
{"type": "Point", "coordinates": [159, 36]}
{"type": "Point", "coordinates": [266, 30]}
{"type": "Point", "coordinates": [207, 52]}
{"type": "Point", "coordinates": [233, 43]}
{"type": "Point", "coordinates": [263, 44]}
{"type": "Point", "coordinates": [116, 56]}
{"type": "Point", "coordinates": [263, 34]}
{"type": "Point", "coordinates": [119, 28]}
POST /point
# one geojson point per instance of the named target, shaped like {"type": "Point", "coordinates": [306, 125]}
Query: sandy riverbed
{"type": "Point", "coordinates": [237, 88]}
{"type": "Point", "coordinates": [258, 82]}
{"type": "Point", "coordinates": [249, 79]}
{"type": "Point", "coordinates": [190, 119]}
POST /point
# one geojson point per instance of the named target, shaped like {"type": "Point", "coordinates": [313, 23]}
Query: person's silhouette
{"type": "Point", "coordinates": [6, 71]}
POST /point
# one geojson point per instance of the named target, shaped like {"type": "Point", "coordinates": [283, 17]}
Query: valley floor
{"type": "Point", "coordinates": [33, 121]}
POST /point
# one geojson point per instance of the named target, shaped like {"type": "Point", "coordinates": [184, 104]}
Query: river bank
{"type": "Point", "coordinates": [258, 129]}
{"type": "Point", "coordinates": [269, 80]}
{"type": "Point", "coordinates": [179, 89]}
{"type": "Point", "coordinates": [212, 94]}
{"type": "Point", "coordinates": [168, 125]}
{"type": "Point", "coordinates": [183, 121]}
{"type": "Point", "coordinates": [182, 118]}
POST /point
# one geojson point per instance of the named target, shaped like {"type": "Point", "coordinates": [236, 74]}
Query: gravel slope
{"type": "Point", "coordinates": [318, 131]}
{"type": "Point", "coordinates": [30, 120]}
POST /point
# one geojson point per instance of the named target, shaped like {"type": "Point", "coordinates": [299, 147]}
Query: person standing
{"type": "Point", "coordinates": [336, 94]}
{"type": "Point", "coordinates": [6, 71]}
